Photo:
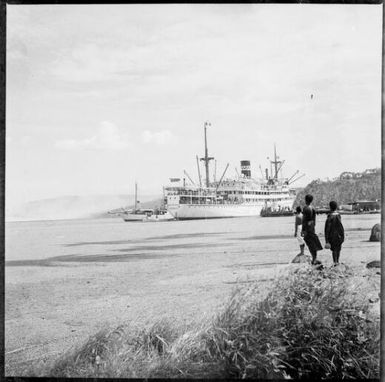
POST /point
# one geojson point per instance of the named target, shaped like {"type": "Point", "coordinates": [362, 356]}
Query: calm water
{"type": "Point", "coordinates": [114, 238]}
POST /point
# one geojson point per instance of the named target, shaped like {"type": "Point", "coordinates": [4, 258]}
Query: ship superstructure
{"type": "Point", "coordinates": [240, 196]}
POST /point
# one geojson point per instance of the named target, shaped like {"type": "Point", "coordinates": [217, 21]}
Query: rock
{"type": "Point", "coordinates": [341, 267]}
{"type": "Point", "coordinates": [301, 259]}
{"type": "Point", "coordinates": [375, 234]}
{"type": "Point", "coordinates": [318, 265]}
{"type": "Point", "coordinates": [374, 264]}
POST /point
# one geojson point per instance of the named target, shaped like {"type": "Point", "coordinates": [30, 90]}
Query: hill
{"type": "Point", "coordinates": [348, 188]}
{"type": "Point", "coordinates": [155, 202]}
{"type": "Point", "coordinates": [76, 207]}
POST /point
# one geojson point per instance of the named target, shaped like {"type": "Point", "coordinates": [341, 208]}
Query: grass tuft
{"type": "Point", "coordinates": [311, 324]}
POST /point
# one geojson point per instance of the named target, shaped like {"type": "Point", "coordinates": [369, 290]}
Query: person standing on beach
{"type": "Point", "coordinates": [334, 232]}
{"type": "Point", "coordinates": [298, 230]}
{"type": "Point", "coordinates": [308, 229]}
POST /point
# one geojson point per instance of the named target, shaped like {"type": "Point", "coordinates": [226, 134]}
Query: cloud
{"type": "Point", "coordinates": [160, 138]}
{"type": "Point", "coordinates": [108, 137]}
{"type": "Point", "coordinates": [90, 62]}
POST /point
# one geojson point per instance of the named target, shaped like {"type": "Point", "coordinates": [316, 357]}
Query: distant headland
{"type": "Point", "coordinates": [347, 188]}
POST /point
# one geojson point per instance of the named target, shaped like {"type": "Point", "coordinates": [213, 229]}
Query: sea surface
{"type": "Point", "coordinates": [112, 239]}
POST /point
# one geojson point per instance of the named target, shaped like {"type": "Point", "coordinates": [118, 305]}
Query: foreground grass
{"type": "Point", "coordinates": [312, 324]}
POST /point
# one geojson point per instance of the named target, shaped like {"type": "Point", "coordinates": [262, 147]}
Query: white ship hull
{"type": "Point", "coordinates": [213, 211]}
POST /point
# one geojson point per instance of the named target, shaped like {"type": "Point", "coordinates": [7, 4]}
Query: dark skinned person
{"type": "Point", "coordinates": [334, 232]}
{"type": "Point", "coordinates": [308, 229]}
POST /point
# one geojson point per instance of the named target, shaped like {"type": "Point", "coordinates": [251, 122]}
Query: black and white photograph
{"type": "Point", "coordinates": [193, 191]}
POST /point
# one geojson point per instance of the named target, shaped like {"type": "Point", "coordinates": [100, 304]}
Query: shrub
{"type": "Point", "coordinates": [311, 324]}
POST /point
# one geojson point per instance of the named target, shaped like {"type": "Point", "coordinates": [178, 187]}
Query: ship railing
{"type": "Point", "coordinates": [193, 194]}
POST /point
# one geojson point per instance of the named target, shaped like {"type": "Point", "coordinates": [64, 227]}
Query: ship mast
{"type": "Point", "coordinates": [199, 173]}
{"type": "Point", "coordinates": [207, 159]}
{"type": "Point", "coordinates": [276, 162]}
{"type": "Point", "coordinates": [136, 197]}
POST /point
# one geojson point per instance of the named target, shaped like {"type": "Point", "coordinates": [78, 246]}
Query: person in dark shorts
{"type": "Point", "coordinates": [334, 232]}
{"type": "Point", "coordinates": [308, 228]}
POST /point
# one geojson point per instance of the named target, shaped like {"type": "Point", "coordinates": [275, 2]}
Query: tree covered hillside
{"type": "Point", "coordinates": [345, 189]}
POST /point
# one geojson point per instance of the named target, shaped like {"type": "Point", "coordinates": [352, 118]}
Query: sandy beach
{"type": "Point", "coordinates": [54, 304]}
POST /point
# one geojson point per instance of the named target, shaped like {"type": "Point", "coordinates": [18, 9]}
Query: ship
{"type": "Point", "coordinates": [240, 196]}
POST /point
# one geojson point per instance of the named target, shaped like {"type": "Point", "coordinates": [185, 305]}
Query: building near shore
{"type": "Point", "coordinates": [365, 205]}
{"type": "Point", "coordinates": [356, 175]}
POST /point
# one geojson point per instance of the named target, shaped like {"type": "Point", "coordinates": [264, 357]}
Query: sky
{"type": "Point", "coordinates": [101, 96]}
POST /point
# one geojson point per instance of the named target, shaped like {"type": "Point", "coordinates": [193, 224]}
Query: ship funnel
{"type": "Point", "coordinates": [245, 168]}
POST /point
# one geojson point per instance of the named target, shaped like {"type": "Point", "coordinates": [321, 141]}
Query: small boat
{"type": "Point", "coordinates": [355, 212]}
{"type": "Point", "coordinates": [322, 210]}
{"type": "Point", "coordinates": [269, 212]}
{"type": "Point", "coordinates": [159, 216]}
{"type": "Point", "coordinates": [136, 214]}
{"type": "Point", "coordinates": [345, 212]}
